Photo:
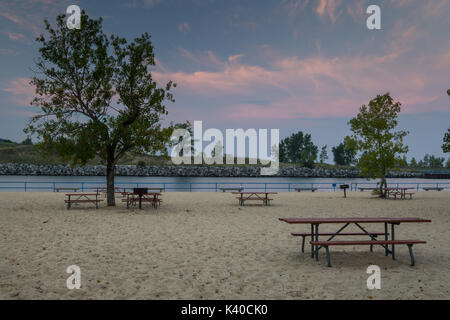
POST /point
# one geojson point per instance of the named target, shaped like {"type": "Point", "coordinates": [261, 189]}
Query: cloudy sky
{"type": "Point", "coordinates": [289, 64]}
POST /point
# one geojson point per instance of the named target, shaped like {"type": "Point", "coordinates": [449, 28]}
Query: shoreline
{"type": "Point", "coordinates": [222, 171]}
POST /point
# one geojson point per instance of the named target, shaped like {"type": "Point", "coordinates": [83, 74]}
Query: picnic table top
{"type": "Point", "coordinates": [398, 188]}
{"type": "Point", "coordinates": [144, 194]}
{"type": "Point", "coordinates": [256, 192]}
{"type": "Point", "coordinates": [81, 194]}
{"type": "Point", "coordinates": [351, 220]}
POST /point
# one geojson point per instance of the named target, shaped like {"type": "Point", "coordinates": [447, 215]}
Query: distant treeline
{"type": "Point", "coordinates": [299, 149]}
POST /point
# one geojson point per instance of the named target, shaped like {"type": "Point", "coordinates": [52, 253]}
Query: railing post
{"type": "Point", "coordinates": [190, 187]}
{"type": "Point", "coordinates": [216, 186]}
{"type": "Point", "coordinates": [289, 187]}
{"type": "Point", "coordinates": [82, 187]}
{"type": "Point", "coordinates": [25, 186]}
{"type": "Point", "coordinates": [54, 187]}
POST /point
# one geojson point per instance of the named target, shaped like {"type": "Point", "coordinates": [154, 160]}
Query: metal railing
{"type": "Point", "coordinates": [208, 186]}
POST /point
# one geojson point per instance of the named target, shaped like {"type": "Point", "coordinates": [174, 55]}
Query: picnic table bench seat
{"type": "Point", "coordinates": [305, 189]}
{"type": "Point", "coordinates": [66, 189]}
{"type": "Point", "coordinates": [232, 189]}
{"type": "Point", "coordinates": [432, 188]}
{"type": "Point", "coordinates": [326, 244]}
{"type": "Point", "coordinates": [306, 234]}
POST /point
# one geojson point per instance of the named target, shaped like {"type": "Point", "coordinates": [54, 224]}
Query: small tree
{"type": "Point", "coordinates": [374, 137]}
{"type": "Point", "coordinates": [298, 148]}
{"type": "Point", "coordinates": [446, 145]}
{"type": "Point", "coordinates": [345, 153]}
{"type": "Point", "coordinates": [97, 96]}
{"type": "Point", "coordinates": [323, 154]}
{"type": "Point", "coordinates": [413, 163]}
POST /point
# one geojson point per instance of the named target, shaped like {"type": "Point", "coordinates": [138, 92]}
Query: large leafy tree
{"type": "Point", "coordinates": [344, 154]}
{"type": "Point", "coordinates": [298, 148]}
{"type": "Point", "coordinates": [97, 96]}
{"type": "Point", "coordinates": [375, 137]}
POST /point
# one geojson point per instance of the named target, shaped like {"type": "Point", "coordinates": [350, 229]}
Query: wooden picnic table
{"type": "Point", "coordinates": [397, 191]}
{"type": "Point", "coordinates": [316, 245]}
{"type": "Point", "coordinates": [432, 188]}
{"type": "Point", "coordinates": [305, 189]}
{"type": "Point", "coordinates": [237, 189]}
{"type": "Point", "coordinates": [133, 199]}
{"type": "Point", "coordinates": [251, 195]}
{"type": "Point", "coordinates": [66, 189]}
{"type": "Point", "coordinates": [74, 198]}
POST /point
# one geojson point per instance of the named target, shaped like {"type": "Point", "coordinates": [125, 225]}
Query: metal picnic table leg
{"type": "Point", "coordinates": [411, 254]}
{"type": "Point", "coordinates": [303, 244]}
{"type": "Point", "coordinates": [328, 256]}
{"type": "Point", "coordinates": [393, 238]}
{"type": "Point", "coordinates": [386, 238]}
{"type": "Point", "coordinates": [68, 203]}
{"type": "Point", "coordinates": [317, 239]}
{"type": "Point", "coordinates": [312, 238]}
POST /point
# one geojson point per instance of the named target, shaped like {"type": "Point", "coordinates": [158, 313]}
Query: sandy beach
{"type": "Point", "coordinates": [205, 246]}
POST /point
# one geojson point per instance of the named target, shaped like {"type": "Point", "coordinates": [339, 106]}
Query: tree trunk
{"type": "Point", "coordinates": [110, 190]}
{"type": "Point", "coordinates": [383, 185]}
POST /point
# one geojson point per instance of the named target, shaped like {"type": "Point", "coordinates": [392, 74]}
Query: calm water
{"type": "Point", "coordinates": [48, 183]}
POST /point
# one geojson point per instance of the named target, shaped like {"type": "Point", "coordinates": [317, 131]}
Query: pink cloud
{"type": "Point", "coordinates": [317, 86]}
{"type": "Point", "coordinates": [329, 9]}
{"type": "Point", "coordinates": [15, 36]}
{"type": "Point", "coordinates": [22, 92]}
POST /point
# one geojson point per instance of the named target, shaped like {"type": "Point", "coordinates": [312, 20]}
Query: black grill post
{"type": "Point", "coordinates": [344, 187]}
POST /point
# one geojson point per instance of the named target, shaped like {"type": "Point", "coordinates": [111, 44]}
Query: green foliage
{"type": "Point", "coordinates": [27, 142]}
{"type": "Point", "coordinates": [323, 154]}
{"type": "Point", "coordinates": [374, 136]}
{"type": "Point", "coordinates": [97, 96]}
{"type": "Point", "coordinates": [430, 161]}
{"type": "Point", "coordinates": [413, 163]}
{"type": "Point", "coordinates": [345, 153]}
{"type": "Point", "coordinates": [446, 145]}
{"type": "Point", "coordinates": [298, 148]}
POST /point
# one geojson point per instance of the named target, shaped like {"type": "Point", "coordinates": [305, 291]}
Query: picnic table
{"type": "Point", "coordinates": [237, 189]}
{"type": "Point", "coordinates": [432, 188]}
{"type": "Point", "coordinates": [316, 245]}
{"type": "Point", "coordinates": [67, 189]}
{"type": "Point", "coordinates": [75, 198]}
{"type": "Point", "coordinates": [397, 192]}
{"type": "Point", "coordinates": [133, 198]}
{"type": "Point", "coordinates": [261, 196]}
{"type": "Point", "coordinates": [305, 189]}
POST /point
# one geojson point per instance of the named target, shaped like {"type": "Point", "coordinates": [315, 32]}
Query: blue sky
{"type": "Point", "coordinates": [288, 64]}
